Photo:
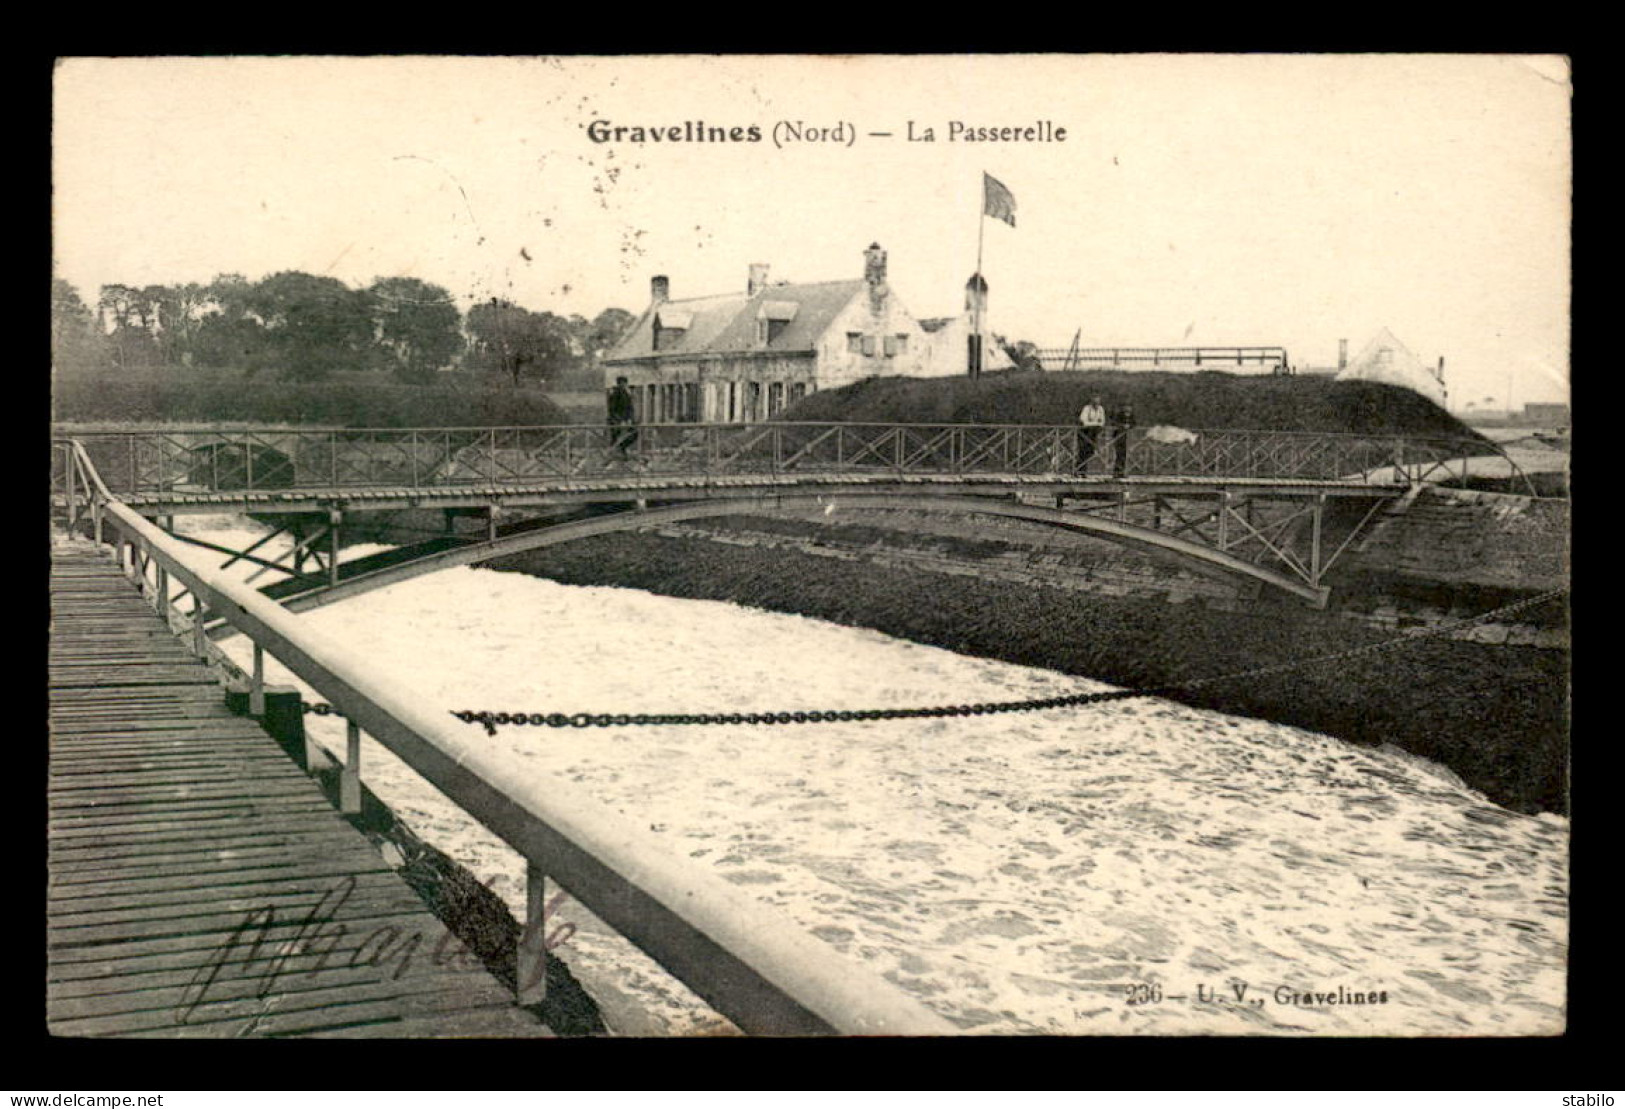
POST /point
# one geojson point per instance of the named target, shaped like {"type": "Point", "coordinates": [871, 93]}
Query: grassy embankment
{"type": "Point", "coordinates": [1208, 400]}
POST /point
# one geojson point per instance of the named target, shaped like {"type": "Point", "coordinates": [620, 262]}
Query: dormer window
{"type": "Point", "coordinates": [772, 318]}
{"type": "Point", "coordinates": [670, 326]}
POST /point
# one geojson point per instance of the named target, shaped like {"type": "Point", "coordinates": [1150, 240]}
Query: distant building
{"type": "Point", "coordinates": [1547, 415]}
{"type": "Point", "coordinates": [1387, 360]}
{"type": "Point", "coordinates": [744, 357]}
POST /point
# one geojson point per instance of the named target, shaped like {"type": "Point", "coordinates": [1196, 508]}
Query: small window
{"type": "Point", "coordinates": [902, 343]}
{"type": "Point", "coordinates": [869, 345]}
{"type": "Point", "coordinates": [854, 342]}
{"type": "Point", "coordinates": [891, 346]}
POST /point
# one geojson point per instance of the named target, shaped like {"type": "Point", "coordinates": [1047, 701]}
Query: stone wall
{"type": "Point", "coordinates": [1449, 556]}
{"type": "Point", "coordinates": [1461, 537]}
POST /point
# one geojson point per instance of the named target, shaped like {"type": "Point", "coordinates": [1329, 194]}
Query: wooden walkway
{"type": "Point", "coordinates": [200, 884]}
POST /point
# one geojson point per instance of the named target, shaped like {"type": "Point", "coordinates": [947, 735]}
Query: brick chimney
{"type": "Point", "coordinates": [758, 278]}
{"type": "Point", "coordinates": [874, 265]}
{"type": "Point", "coordinates": [660, 289]}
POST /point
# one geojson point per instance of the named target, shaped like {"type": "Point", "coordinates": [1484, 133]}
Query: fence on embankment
{"type": "Point", "coordinates": [753, 965]}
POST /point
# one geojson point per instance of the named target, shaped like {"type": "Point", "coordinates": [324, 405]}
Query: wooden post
{"type": "Point", "coordinates": [350, 776]}
{"type": "Point", "coordinates": [256, 692]}
{"type": "Point", "coordinates": [492, 514]}
{"type": "Point", "coordinates": [200, 639]}
{"type": "Point", "coordinates": [333, 518]}
{"type": "Point", "coordinates": [73, 502]}
{"type": "Point", "coordinates": [1224, 518]}
{"type": "Point", "coordinates": [1314, 539]}
{"type": "Point", "coordinates": [531, 979]}
{"type": "Point", "coordinates": [284, 720]}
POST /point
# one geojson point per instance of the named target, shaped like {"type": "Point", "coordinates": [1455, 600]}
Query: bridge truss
{"type": "Point", "coordinates": [1273, 508]}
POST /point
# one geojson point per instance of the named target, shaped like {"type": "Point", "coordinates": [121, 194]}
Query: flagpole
{"type": "Point", "coordinates": [981, 232]}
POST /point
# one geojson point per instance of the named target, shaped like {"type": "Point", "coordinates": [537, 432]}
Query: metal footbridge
{"type": "Point", "coordinates": [1273, 508]}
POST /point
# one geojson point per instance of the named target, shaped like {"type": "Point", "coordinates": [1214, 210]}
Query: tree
{"type": "Point", "coordinates": [416, 326]}
{"type": "Point", "coordinates": [75, 342]}
{"type": "Point", "coordinates": [180, 313]}
{"type": "Point", "coordinates": [313, 325]}
{"type": "Point", "coordinates": [507, 339]}
{"type": "Point", "coordinates": [128, 315]}
{"type": "Point", "coordinates": [606, 330]}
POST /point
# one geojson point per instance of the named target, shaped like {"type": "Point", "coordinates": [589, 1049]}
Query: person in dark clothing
{"type": "Point", "coordinates": [1123, 423]}
{"type": "Point", "coordinates": [623, 423]}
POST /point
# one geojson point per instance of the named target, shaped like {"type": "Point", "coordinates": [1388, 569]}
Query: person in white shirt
{"type": "Point", "coordinates": [1091, 419]}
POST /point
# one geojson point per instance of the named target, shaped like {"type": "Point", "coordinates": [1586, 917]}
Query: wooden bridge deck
{"type": "Point", "coordinates": [566, 491]}
{"type": "Point", "coordinates": [200, 884]}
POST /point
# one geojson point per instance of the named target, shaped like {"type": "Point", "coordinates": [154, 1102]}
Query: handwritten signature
{"type": "Point", "coordinates": [317, 933]}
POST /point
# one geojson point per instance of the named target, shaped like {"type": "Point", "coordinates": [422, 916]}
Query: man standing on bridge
{"type": "Point", "coordinates": [623, 426]}
{"type": "Point", "coordinates": [1091, 419]}
{"type": "Point", "coordinates": [1123, 421]}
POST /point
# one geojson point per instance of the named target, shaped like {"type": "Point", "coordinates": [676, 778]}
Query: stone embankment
{"type": "Point", "coordinates": [1449, 555]}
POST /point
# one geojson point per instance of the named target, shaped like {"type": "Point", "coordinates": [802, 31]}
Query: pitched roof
{"type": "Point", "coordinates": [727, 324]}
{"type": "Point", "coordinates": [1387, 360]}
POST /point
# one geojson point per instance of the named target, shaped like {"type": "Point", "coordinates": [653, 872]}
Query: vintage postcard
{"type": "Point", "coordinates": [720, 545]}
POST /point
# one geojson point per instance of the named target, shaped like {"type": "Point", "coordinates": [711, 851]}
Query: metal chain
{"type": "Point", "coordinates": [492, 720]}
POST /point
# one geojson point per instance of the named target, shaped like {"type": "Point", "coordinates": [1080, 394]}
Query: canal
{"type": "Point", "coordinates": [1133, 867]}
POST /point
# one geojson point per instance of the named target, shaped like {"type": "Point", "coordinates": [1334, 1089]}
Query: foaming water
{"type": "Point", "coordinates": [1031, 873]}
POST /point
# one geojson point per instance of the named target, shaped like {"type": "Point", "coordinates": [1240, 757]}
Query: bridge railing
{"type": "Point", "coordinates": [754, 965]}
{"type": "Point", "coordinates": [268, 460]}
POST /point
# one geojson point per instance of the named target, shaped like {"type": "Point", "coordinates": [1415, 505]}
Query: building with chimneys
{"type": "Point", "coordinates": [1387, 360]}
{"type": "Point", "coordinates": [745, 357]}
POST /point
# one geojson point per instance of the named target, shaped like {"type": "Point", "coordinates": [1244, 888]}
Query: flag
{"type": "Point", "coordinates": [997, 201]}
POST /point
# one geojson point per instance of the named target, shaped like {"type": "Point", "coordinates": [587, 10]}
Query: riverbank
{"type": "Point", "coordinates": [1495, 715]}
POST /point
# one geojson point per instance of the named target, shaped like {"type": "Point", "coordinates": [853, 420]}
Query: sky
{"type": "Point", "coordinates": [1217, 200]}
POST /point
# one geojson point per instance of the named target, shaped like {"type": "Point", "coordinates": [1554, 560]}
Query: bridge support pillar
{"type": "Point", "coordinates": [493, 514]}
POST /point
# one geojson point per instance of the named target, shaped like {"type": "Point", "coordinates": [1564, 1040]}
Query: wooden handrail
{"type": "Point", "coordinates": [754, 965]}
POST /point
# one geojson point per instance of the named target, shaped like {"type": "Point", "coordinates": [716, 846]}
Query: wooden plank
{"type": "Point", "coordinates": [150, 954]}
{"type": "Point", "coordinates": [100, 904]}
{"type": "Point", "coordinates": [285, 816]}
